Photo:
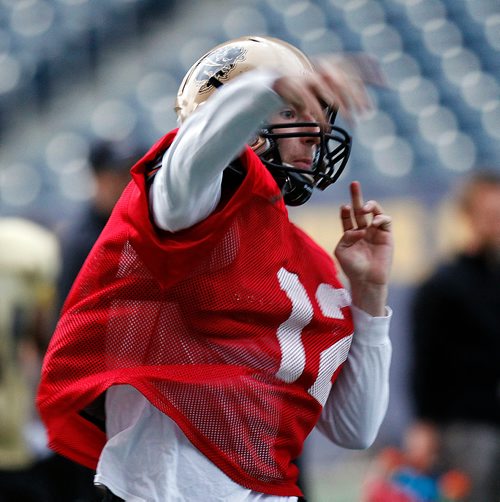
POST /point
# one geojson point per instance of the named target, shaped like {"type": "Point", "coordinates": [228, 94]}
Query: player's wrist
{"type": "Point", "coordinates": [370, 297]}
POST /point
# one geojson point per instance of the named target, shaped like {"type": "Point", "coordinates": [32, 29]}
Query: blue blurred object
{"type": "Point", "coordinates": [423, 488]}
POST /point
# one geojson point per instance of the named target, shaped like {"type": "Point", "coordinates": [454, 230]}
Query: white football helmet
{"type": "Point", "coordinates": [230, 59]}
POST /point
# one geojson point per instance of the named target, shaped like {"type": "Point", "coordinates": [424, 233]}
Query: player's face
{"type": "Point", "coordinates": [485, 216]}
{"type": "Point", "coordinates": [297, 151]}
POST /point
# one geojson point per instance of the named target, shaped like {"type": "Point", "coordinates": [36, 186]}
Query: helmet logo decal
{"type": "Point", "coordinates": [217, 66]}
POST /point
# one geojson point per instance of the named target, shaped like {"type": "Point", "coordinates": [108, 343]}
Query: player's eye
{"type": "Point", "coordinates": [288, 114]}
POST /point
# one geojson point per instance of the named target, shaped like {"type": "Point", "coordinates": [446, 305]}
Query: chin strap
{"type": "Point", "coordinates": [295, 188]}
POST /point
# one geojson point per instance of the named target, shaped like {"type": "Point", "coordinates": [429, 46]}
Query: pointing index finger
{"type": "Point", "coordinates": [357, 204]}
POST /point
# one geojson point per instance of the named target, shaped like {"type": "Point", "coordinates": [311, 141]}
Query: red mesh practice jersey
{"type": "Point", "coordinates": [235, 328]}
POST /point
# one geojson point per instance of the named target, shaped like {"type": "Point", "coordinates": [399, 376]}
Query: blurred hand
{"type": "Point", "coordinates": [338, 80]}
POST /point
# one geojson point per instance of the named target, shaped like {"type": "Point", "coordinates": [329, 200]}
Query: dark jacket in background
{"type": "Point", "coordinates": [456, 338]}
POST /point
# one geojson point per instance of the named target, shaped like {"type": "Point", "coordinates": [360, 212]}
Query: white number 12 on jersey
{"type": "Point", "coordinates": [293, 356]}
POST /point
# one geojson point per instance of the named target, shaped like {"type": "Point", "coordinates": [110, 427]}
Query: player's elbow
{"type": "Point", "coordinates": [360, 442]}
{"type": "Point", "coordinates": [349, 435]}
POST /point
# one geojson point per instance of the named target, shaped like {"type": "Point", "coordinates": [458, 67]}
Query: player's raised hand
{"type": "Point", "coordinates": [365, 250]}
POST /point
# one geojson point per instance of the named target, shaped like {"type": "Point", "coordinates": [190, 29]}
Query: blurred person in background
{"type": "Point", "coordinates": [206, 335]}
{"type": "Point", "coordinates": [29, 262]}
{"type": "Point", "coordinates": [413, 473]}
{"type": "Point", "coordinates": [456, 340]}
{"type": "Point", "coordinates": [109, 163]}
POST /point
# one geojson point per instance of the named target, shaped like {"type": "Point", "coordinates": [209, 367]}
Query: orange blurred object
{"type": "Point", "coordinates": [455, 485]}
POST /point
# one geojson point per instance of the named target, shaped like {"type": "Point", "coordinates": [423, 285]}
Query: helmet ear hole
{"type": "Point", "coordinates": [260, 145]}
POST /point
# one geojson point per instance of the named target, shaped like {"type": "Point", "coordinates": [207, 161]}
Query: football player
{"type": "Point", "coordinates": [206, 334]}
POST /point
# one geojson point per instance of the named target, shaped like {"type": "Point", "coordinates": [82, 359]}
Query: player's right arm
{"type": "Point", "coordinates": [187, 188]}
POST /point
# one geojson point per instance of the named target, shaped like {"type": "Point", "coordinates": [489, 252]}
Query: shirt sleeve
{"type": "Point", "coordinates": [187, 188]}
{"type": "Point", "coordinates": [358, 400]}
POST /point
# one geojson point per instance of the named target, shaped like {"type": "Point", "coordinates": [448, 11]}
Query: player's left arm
{"type": "Point", "coordinates": [357, 404]}
{"type": "Point", "coordinates": [358, 401]}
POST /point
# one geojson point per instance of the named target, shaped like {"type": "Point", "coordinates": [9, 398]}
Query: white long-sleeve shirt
{"type": "Point", "coordinates": [147, 457]}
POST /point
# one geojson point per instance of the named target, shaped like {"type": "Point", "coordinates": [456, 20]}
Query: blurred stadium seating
{"type": "Point", "coordinates": [74, 70]}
